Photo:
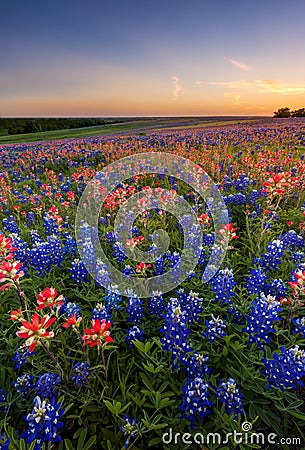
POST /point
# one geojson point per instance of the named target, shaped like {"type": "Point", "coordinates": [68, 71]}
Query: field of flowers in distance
{"type": "Point", "coordinates": [85, 368]}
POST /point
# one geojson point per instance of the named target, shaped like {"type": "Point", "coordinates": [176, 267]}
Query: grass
{"type": "Point", "coordinates": [140, 125]}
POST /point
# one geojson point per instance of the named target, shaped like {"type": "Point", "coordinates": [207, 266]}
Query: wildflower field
{"type": "Point", "coordinates": [86, 365]}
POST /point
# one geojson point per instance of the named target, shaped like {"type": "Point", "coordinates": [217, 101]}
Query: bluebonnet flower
{"type": "Point", "coordinates": [243, 182]}
{"type": "Point", "coordinates": [69, 308]}
{"type": "Point", "coordinates": [86, 242]}
{"type": "Point", "coordinates": [78, 271]}
{"type": "Point", "coordinates": [70, 247]}
{"type": "Point", "coordinates": [3, 400]}
{"type": "Point", "coordinates": [24, 384]}
{"type": "Point", "coordinates": [47, 385]}
{"type": "Point", "coordinates": [21, 356]}
{"type": "Point", "coordinates": [66, 187]}
{"type": "Point", "coordinates": [128, 270]}
{"type": "Point", "coordinates": [104, 220]}
{"type": "Point", "coordinates": [56, 250]}
{"type": "Point", "coordinates": [276, 288]}
{"type": "Point", "coordinates": [299, 326]}
{"type": "Point", "coordinates": [173, 258]}
{"type": "Point", "coordinates": [257, 281]}
{"type": "Point", "coordinates": [175, 333]}
{"type": "Point", "coordinates": [129, 429]}
{"type": "Point", "coordinates": [134, 333]}
{"type": "Point", "coordinates": [297, 257]}
{"type": "Point", "coordinates": [203, 256]}
{"type": "Point", "coordinates": [255, 195]}
{"type": "Point", "coordinates": [216, 327]}
{"type": "Point", "coordinates": [292, 239]}
{"type": "Point", "coordinates": [196, 366]}
{"type": "Point", "coordinates": [10, 225]}
{"type": "Point", "coordinates": [113, 298]}
{"type": "Point", "coordinates": [102, 274]}
{"type": "Point", "coordinates": [135, 231]}
{"type": "Point", "coordinates": [49, 224]}
{"type": "Point", "coordinates": [43, 423]}
{"type": "Point", "coordinates": [191, 304]}
{"type": "Point", "coordinates": [230, 396]}
{"type": "Point", "coordinates": [35, 237]}
{"type": "Point", "coordinates": [222, 283]}
{"type": "Point", "coordinates": [110, 237]}
{"type": "Point", "coordinates": [156, 305]}
{"type": "Point", "coordinates": [134, 310]}
{"type": "Point", "coordinates": [208, 240]}
{"type": "Point", "coordinates": [43, 255]}
{"type": "Point", "coordinates": [118, 253]}
{"type": "Point", "coordinates": [22, 252]}
{"type": "Point", "coordinates": [273, 256]}
{"type": "Point", "coordinates": [195, 400]}
{"type": "Point", "coordinates": [81, 372]}
{"type": "Point", "coordinates": [234, 315]}
{"type": "Point", "coordinates": [100, 311]}
{"type": "Point", "coordinates": [5, 445]}
{"type": "Point", "coordinates": [285, 370]}
{"type": "Point", "coordinates": [239, 199]}
{"type": "Point", "coordinates": [264, 312]}
{"type": "Point", "coordinates": [159, 267]}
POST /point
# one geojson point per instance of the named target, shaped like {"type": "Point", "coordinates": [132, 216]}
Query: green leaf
{"type": "Point", "coordinates": [111, 408]}
{"type": "Point", "coordinates": [68, 444]}
{"type": "Point", "coordinates": [152, 369]}
{"type": "Point", "coordinates": [93, 408]}
{"type": "Point", "coordinates": [22, 444]}
{"type": "Point", "coordinates": [298, 415]}
{"type": "Point", "coordinates": [154, 442]}
{"type": "Point", "coordinates": [89, 443]}
{"type": "Point", "coordinates": [81, 439]}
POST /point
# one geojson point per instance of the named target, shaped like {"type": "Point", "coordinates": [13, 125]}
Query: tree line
{"type": "Point", "coordinates": [36, 125]}
{"type": "Point", "coordinates": [285, 112]}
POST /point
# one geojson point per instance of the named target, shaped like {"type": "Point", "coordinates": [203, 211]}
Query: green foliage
{"type": "Point", "coordinates": [282, 112]}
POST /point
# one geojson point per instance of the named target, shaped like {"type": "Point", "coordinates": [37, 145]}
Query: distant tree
{"type": "Point", "coordinates": [282, 112]}
{"type": "Point", "coordinates": [298, 113]}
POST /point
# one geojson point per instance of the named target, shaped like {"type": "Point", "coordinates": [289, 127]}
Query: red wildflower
{"type": "Point", "coordinates": [6, 247]}
{"type": "Point", "coordinates": [17, 315]}
{"type": "Point", "coordinates": [277, 184]}
{"type": "Point", "coordinates": [35, 331]}
{"type": "Point", "coordinates": [134, 242]}
{"type": "Point", "coordinates": [72, 321]}
{"type": "Point", "coordinates": [140, 268]}
{"type": "Point", "coordinates": [10, 272]}
{"type": "Point", "coordinates": [48, 297]}
{"type": "Point", "coordinates": [204, 219]}
{"type": "Point", "coordinates": [299, 284]}
{"type": "Point", "coordinates": [98, 334]}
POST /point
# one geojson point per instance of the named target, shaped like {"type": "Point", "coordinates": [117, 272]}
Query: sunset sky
{"type": "Point", "coordinates": [160, 57]}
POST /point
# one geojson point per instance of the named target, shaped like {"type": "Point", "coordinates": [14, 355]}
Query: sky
{"type": "Point", "coordinates": [151, 58]}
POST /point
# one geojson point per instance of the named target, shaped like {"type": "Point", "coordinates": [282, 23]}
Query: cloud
{"type": "Point", "coordinates": [262, 86]}
{"type": "Point", "coordinates": [278, 87]}
{"type": "Point", "coordinates": [237, 64]}
{"type": "Point", "coordinates": [177, 86]}
{"type": "Point", "coordinates": [235, 98]}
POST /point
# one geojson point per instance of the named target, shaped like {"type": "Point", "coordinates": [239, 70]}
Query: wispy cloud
{"type": "Point", "coordinates": [237, 64]}
{"type": "Point", "coordinates": [278, 87]}
{"type": "Point", "coordinates": [177, 86]}
{"type": "Point", "coordinates": [262, 86]}
{"type": "Point", "coordinates": [235, 98]}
